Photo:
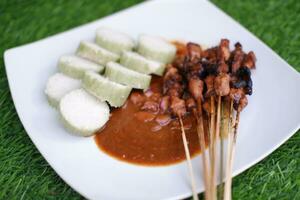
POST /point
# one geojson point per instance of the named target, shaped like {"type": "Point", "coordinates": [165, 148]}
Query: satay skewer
{"type": "Point", "coordinates": [214, 153]}
{"type": "Point", "coordinates": [188, 157]}
{"type": "Point", "coordinates": [201, 137]}
{"type": "Point", "coordinates": [196, 88]}
{"type": "Point", "coordinates": [230, 159]}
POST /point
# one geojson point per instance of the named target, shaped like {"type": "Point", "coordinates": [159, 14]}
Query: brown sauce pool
{"type": "Point", "coordinates": [146, 138]}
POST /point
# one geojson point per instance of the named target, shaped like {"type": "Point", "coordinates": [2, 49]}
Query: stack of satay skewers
{"type": "Point", "coordinates": [212, 85]}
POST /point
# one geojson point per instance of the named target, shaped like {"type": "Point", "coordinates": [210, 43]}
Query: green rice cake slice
{"type": "Point", "coordinates": [113, 40]}
{"type": "Point", "coordinates": [106, 90]}
{"type": "Point", "coordinates": [75, 66]}
{"type": "Point", "coordinates": [139, 63]}
{"type": "Point", "coordinates": [156, 48]}
{"type": "Point", "coordinates": [95, 53]}
{"type": "Point", "coordinates": [120, 74]}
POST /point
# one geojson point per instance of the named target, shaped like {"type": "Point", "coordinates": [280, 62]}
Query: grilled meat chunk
{"type": "Point", "coordinates": [249, 60]}
{"type": "Point", "coordinates": [196, 88]}
{"type": "Point", "coordinates": [223, 50]}
{"type": "Point", "coordinates": [222, 84]}
{"type": "Point", "coordinates": [209, 82]}
{"type": "Point", "coordinates": [178, 106]}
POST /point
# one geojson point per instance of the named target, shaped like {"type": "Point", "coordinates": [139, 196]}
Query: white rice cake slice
{"type": "Point", "coordinates": [75, 66]}
{"type": "Point", "coordinates": [95, 53]}
{"type": "Point", "coordinates": [120, 74]}
{"type": "Point", "coordinates": [156, 48]}
{"type": "Point", "coordinates": [113, 40]}
{"type": "Point", "coordinates": [106, 90]}
{"type": "Point", "coordinates": [58, 85]}
{"type": "Point", "coordinates": [82, 113]}
{"type": "Point", "coordinates": [139, 63]}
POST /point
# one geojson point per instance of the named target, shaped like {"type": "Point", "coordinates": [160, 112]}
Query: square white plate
{"type": "Point", "coordinates": [272, 116]}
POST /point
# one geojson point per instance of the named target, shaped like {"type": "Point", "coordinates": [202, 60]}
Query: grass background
{"type": "Point", "coordinates": [24, 174]}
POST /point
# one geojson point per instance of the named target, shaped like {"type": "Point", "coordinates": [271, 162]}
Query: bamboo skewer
{"type": "Point", "coordinates": [201, 137]}
{"type": "Point", "coordinates": [230, 158]}
{"type": "Point", "coordinates": [188, 157]}
{"type": "Point", "coordinates": [214, 156]}
{"type": "Point", "coordinates": [211, 126]}
{"type": "Point", "coordinates": [211, 144]}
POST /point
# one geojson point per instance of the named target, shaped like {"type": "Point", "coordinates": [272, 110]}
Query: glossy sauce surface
{"type": "Point", "coordinates": [146, 138]}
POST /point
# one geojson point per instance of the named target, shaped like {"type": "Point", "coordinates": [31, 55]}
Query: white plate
{"type": "Point", "coordinates": [272, 116]}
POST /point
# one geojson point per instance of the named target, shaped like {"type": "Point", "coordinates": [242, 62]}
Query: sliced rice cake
{"type": "Point", "coordinates": [120, 74]}
{"type": "Point", "coordinates": [75, 66]}
{"type": "Point", "coordinates": [139, 63]}
{"type": "Point", "coordinates": [113, 40]}
{"type": "Point", "coordinates": [82, 113]}
{"type": "Point", "coordinates": [58, 85]}
{"type": "Point", "coordinates": [106, 90]}
{"type": "Point", "coordinates": [95, 53]}
{"type": "Point", "coordinates": [156, 48]}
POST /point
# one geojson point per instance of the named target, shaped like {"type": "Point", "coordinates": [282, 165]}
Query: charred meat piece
{"type": "Point", "coordinates": [238, 57]}
{"type": "Point", "coordinates": [194, 70]}
{"type": "Point", "coordinates": [249, 60]}
{"type": "Point", "coordinates": [164, 104]}
{"type": "Point", "coordinates": [172, 74]}
{"type": "Point", "coordinates": [222, 84]}
{"type": "Point", "coordinates": [178, 106]}
{"type": "Point", "coordinates": [223, 50]}
{"type": "Point", "coordinates": [239, 84]}
{"type": "Point", "coordinates": [243, 80]}
{"type": "Point", "coordinates": [196, 88]}
{"type": "Point", "coordinates": [190, 104]}
{"type": "Point", "coordinates": [155, 97]}
{"type": "Point", "coordinates": [248, 89]}
{"type": "Point", "coordinates": [173, 93]}
{"type": "Point", "coordinates": [242, 104]}
{"type": "Point", "coordinates": [211, 54]}
{"type": "Point", "coordinates": [235, 95]}
{"type": "Point", "coordinates": [209, 82]}
{"type": "Point", "coordinates": [243, 73]}
{"type": "Point", "coordinates": [194, 52]}
{"type": "Point", "coordinates": [150, 106]}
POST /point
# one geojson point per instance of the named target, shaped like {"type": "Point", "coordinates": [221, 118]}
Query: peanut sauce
{"type": "Point", "coordinates": [146, 138]}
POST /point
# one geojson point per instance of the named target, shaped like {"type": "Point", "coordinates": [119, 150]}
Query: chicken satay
{"type": "Point", "coordinates": [238, 57]}
{"type": "Point", "coordinates": [190, 104]}
{"type": "Point", "coordinates": [172, 74]}
{"type": "Point", "coordinates": [223, 50]}
{"type": "Point", "coordinates": [194, 70]}
{"type": "Point", "coordinates": [178, 106]}
{"type": "Point", "coordinates": [196, 88]}
{"type": "Point", "coordinates": [209, 82]}
{"type": "Point", "coordinates": [194, 52]}
{"type": "Point", "coordinates": [211, 54]}
{"type": "Point", "coordinates": [249, 60]}
{"type": "Point", "coordinates": [237, 95]}
{"type": "Point", "coordinates": [242, 103]}
{"type": "Point", "coordinates": [222, 84]}
{"type": "Point", "coordinates": [178, 109]}
{"type": "Point", "coordinates": [242, 79]}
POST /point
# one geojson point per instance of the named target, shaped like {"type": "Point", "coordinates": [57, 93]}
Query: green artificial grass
{"type": "Point", "coordinates": [24, 174]}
